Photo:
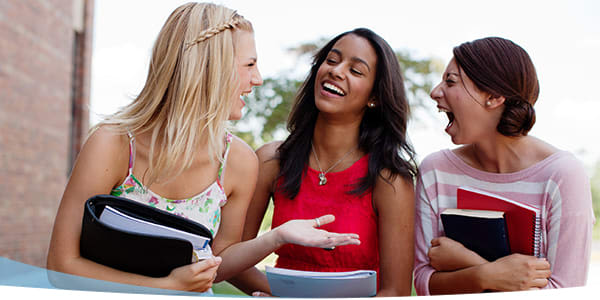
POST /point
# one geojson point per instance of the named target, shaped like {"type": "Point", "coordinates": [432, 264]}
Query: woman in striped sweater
{"type": "Point", "coordinates": [488, 92]}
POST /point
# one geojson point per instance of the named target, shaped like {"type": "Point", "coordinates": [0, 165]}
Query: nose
{"type": "Point", "coordinates": [337, 71]}
{"type": "Point", "coordinates": [436, 93]}
{"type": "Point", "coordinates": [256, 79]}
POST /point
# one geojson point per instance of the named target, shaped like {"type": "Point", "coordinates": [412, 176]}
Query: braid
{"type": "Point", "coordinates": [208, 33]}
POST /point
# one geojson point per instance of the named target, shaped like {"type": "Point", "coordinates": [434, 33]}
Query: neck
{"type": "Point", "coordinates": [500, 155]}
{"type": "Point", "coordinates": [332, 141]}
{"type": "Point", "coordinates": [331, 136]}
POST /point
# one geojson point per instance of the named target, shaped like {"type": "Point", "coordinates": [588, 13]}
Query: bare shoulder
{"type": "Point", "coordinates": [101, 164]}
{"type": "Point", "coordinates": [107, 142]}
{"type": "Point", "coordinates": [108, 134]}
{"type": "Point", "coordinates": [241, 156]}
{"type": "Point", "coordinates": [394, 190]}
{"type": "Point", "coordinates": [268, 151]}
{"type": "Point", "coordinates": [386, 181]}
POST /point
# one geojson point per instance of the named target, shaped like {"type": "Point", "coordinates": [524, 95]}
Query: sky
{"type": "Point", "coordinates": [562, 38]}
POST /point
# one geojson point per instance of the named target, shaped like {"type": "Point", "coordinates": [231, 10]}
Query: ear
{"type": "Point", "coordinates": [372, 103]}
{"type": "Point", "coordinates": [493, 102]}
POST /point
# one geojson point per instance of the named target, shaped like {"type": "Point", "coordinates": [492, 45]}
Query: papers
{"type": "Point", "coordinates": [293, 283]}
{"type": "Point", "coordinates": [113, 217]}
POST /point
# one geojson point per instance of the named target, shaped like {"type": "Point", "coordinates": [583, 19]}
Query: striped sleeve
{"type": "Point", "coordinates": [569, 222]}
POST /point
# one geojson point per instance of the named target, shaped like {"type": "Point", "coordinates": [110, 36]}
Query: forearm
{"type": "Point", "coordinates": [463, 281]}
{"type": "Point", "coordinates": [244, 255]}
{"type": "Point", "coordinates": [250, 281]}
{"type": "Point", "coordinates": [83, 267]}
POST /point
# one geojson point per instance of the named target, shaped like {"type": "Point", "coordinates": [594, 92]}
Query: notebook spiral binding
{"type": "Point", "coordinates": [537, 236]}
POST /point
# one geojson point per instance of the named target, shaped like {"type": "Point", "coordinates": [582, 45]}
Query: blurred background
{"type": "Point", "coordinates": [66, 63]}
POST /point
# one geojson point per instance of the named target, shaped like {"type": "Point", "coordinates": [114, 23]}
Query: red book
{"type": "Point", "coordinates": [522, 220]}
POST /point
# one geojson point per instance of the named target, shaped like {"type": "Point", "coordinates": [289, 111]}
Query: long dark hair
{"type": "Point", "coordinates": [502, 68]}
{"type": "Point", "coordinates": [382, 130]}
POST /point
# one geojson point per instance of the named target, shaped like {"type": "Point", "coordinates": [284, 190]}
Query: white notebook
{"type": "Point", "coordinates": [293, 283]}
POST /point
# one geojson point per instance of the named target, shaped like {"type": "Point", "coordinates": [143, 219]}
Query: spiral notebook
{"type": "Point", "coordinates": [523, 222]}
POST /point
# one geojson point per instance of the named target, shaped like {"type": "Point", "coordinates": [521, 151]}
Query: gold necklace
{"type": "Point", "coordinates": [322, 177]}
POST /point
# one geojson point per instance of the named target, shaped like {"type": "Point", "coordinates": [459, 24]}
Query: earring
{"type": "Point", "coordinates": [488, 103]}
{"type": "Point", "coordinates": [372, 104]}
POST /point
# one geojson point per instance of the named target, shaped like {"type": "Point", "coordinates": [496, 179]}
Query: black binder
{"type": "Point", "coordinates": [143, 254]}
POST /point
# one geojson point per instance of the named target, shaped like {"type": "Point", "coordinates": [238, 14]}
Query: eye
{"type": "Point", "coordinates": [331, 61]}
{"type": "Point", "coordinates": [355, 71]}
{"type": "Point", "coordinates": [450, 82]}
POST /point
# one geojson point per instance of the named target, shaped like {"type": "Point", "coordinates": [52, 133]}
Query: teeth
{"type": "Point", "coordinates": [442, 110]}
{"type": "Point", "coordinates": [245, 94]}
{"type": "Point", "coordinates": [333, 88]}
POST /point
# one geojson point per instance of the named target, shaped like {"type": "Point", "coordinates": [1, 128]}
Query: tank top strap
{"type": "Point", "coordinates": [131, 151]}
{"type": "Point", "coordinates": [221, 173]}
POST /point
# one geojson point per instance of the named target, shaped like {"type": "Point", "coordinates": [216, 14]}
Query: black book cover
{"type": "Point", "coordinates": [144, 254]}
{"type": "Point", "coordinates": [481, 231]}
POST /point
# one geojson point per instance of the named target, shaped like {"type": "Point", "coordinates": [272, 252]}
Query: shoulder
{"type": "Point", "coordinates": [564, 166]}
{"type": "Point", "coordinates": [268, 162]}
{"type": "Point", "coordinates": [388, 184]}
{"type": "Point", "coordinates": [268, 151]}
{"type": "Point", "coordinates": [241, 156]}
{"type": "Point", "coordinates": [434, 160]}
{"type": "Point", "coordinates": [104, 156]}
{"type": "Point", "coordinates": [392, 192]}
{"type": "Point", "coordinates": [107, 141]}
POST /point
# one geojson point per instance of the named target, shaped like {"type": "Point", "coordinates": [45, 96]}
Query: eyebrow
{"type": "Point", "coordinates": [354, 58]}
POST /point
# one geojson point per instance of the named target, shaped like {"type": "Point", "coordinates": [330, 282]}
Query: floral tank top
{"type": "Point", "coordinates": [204, 208]}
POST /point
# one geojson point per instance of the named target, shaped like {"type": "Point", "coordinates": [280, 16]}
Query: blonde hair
{"type": "Point", "coordinates": [188, 94]}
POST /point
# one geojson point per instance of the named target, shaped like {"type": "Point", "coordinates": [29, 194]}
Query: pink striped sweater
{"type": "Point", "coordinates": [558, 186]}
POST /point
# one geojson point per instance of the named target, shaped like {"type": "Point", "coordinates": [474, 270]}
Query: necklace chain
{"type": "Point", "coordinates": [322, 178]}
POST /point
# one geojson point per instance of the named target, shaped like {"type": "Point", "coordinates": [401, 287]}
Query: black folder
{"type": "Point", "coordinates": [149, 255]}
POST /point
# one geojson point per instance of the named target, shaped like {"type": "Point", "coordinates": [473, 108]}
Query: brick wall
{"type": "Point", "coordinates": [44, 93]}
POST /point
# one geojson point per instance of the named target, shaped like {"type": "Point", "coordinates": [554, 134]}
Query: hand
{"type": "Point", "coordinates": [305, 233]}
{"type": "Point", "coordinates": [261, 294]}
{"type": "Point", "coordinates": [516, 272]}
{"type": "Point", "coordinates": [197, 277]}
{"type": "Point", "coordinates": [447, 254]}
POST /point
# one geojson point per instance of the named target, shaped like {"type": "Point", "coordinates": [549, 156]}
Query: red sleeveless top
{"type": "Point", "coordinates": [353, 214]}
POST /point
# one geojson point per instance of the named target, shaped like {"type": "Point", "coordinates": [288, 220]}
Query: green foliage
{"type": "Point", "coordinates": [595, 185]}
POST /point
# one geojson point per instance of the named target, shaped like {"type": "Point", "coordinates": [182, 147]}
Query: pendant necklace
{"type": "Point", "coordinates": [322, 177]}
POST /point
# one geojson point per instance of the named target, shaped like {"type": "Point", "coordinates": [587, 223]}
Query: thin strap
{"type": "Point", "coordinates": [131, 151]}
{"type": "Point", "coordinates": [221, 173]}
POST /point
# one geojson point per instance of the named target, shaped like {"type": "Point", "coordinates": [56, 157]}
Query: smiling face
{"type": "Point", "coordinates": [247, 70]}
{"type": "Point", "coordinates": [345, 79]}
{"type": "Point", "coordinates": [464, 104]}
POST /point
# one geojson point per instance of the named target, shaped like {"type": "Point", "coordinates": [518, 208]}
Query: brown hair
{"type": "Point", "coordinates": [502, 68]}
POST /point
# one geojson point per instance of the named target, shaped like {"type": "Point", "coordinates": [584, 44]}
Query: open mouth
{"type": "Point", "coordinates": [333, 89]}
{"type": "Point", "coordinates": [450, 116]}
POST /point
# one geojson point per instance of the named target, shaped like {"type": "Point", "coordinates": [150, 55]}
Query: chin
{"type": "Point", "coordinates": [235, 116]}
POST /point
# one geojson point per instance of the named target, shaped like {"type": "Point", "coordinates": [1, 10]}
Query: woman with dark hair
{"type": "Point", "coordinates": [488, 92]}
{"type": "Point", "coordinates": [347, 155]}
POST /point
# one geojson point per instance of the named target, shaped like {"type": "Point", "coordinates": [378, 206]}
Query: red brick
{"type": "Point", "coordinates": [38, 93]}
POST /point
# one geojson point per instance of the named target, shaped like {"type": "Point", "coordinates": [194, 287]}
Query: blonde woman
{"type": "Point", "coordinates": [170, 149]}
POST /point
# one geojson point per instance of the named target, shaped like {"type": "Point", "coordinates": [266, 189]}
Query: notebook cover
{"type": "Point", "coordinates": [306, 284]}
{"type": "Point", "coordinates": [132, 252]}
{"type": "Point", "coordinates": [521, 220]}
{"type": "Point", "coordinates": [486, 236]}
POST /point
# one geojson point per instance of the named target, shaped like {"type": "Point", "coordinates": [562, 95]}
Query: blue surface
{"type": "Point", "coordinates": [13, 273]}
